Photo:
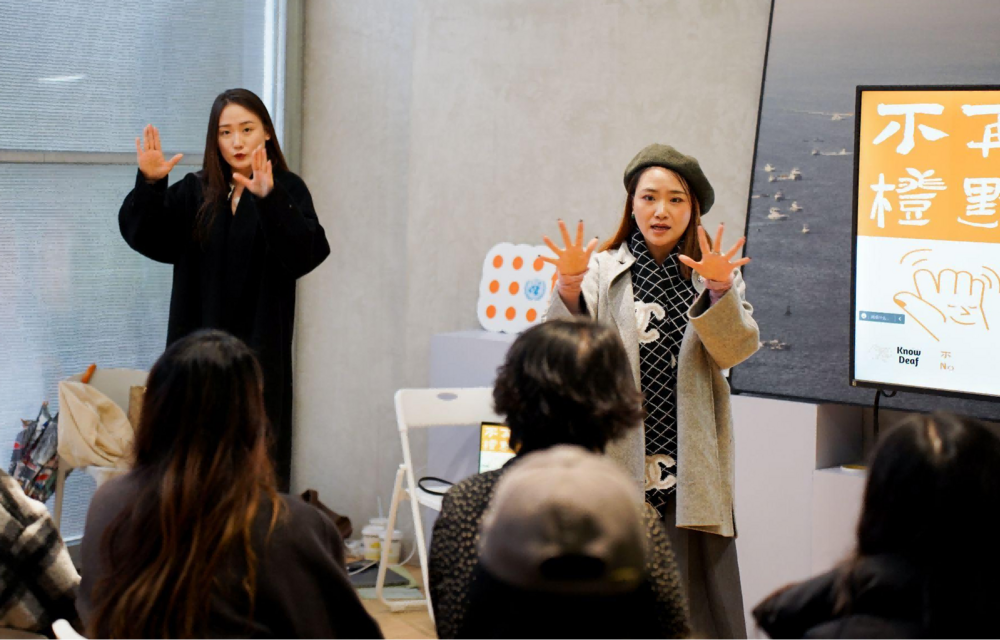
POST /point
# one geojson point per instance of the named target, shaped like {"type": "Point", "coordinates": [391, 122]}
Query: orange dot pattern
{"type": "Point", "coordinates": [506, 274]}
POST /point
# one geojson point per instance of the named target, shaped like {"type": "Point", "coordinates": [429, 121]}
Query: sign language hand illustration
{"type": "Point", "coordinates": [948, 298]}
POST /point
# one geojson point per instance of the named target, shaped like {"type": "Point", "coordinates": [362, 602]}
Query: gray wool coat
{"type": "Point", "coordinates": [717, 337]}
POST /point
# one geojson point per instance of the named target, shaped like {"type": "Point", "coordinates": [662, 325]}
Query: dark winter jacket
{"type": "Point", "coordinates": [884, 599]}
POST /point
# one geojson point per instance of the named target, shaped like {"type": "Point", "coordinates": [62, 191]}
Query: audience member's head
{"type": "Point", "coordinates": [203, 420]}
{"type": "Point", "coordinates": [201, 455]}
{"type": "Point", "coordinates": [562, 552]}
{"type": "Point", "coordinates": [939, 464]}
{"type": "Point", "coordinates": [565, 520]}
{"type": "Point", "coordinates": [932, 498]}
{"type": "Point", "coordinates": [567, 382]}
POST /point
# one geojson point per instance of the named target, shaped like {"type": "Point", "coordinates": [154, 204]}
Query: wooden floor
{"type": "Point", "coordinates": [414, 623]}
{"type": "Point", "coordinates": [405, 624]}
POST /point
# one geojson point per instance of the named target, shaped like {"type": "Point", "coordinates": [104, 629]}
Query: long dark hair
{"type": "Point", "coordinates": [217, 172]}
{"type": "Point", "coordinates": [567, 382]}
{"type": "Point", "coordinates": [689, 244]}
{"type": "Point", "coordinates": [201, 454]}
{"type": "Point", "coordinates": [933, 500]}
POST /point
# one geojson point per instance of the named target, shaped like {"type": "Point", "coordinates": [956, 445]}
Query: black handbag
{"type": "Point", "coordinates": [343, 523]}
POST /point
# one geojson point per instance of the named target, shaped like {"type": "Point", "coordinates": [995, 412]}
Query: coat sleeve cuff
{"type": "Point", "coordinates": [144, 186]}
{"type": "Point", "coordinates": [728, 335]}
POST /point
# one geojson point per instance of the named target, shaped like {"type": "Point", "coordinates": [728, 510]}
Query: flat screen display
{"type": "Point", "coordinates": [926, 269]}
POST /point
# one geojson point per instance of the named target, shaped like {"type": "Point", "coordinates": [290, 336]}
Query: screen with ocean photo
{"type": "Point", "coordinates": [799, 219]}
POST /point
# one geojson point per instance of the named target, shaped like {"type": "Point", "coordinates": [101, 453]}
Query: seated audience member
{"type": "Point", "coordinates": [562, 553]}
{"type": "Point", "coordinates": [37, 578]}
{"type": "Point", "coordinates": [195, 541]}
{"type": "Point", "coordinates": [927, 560]}
{"type": "Point", "coordinates": [563, 382]}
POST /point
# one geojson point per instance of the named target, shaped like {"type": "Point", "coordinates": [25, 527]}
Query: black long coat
{"type": "Point", "coordinates": [240, 279]}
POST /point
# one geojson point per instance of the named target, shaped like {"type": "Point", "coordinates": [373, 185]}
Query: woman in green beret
{"type": "Point", "coordinates": [678, 302]}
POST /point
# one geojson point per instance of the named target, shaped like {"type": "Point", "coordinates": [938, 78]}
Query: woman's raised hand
{"type": "Point", "coordinates": [262, 180]}
{"type": "Point", "coordinates": [572, 260]}
{"type": "Point", "coordinates": [150, 158]}
{"type": "Point", "coordinates": [714, 264]}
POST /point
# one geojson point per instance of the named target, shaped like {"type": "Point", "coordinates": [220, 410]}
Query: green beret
{"type": "Point", "coordinates": [662, 155]}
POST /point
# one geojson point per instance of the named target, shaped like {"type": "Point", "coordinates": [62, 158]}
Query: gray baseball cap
{"type": "Point", "coordinates": [565, 520]}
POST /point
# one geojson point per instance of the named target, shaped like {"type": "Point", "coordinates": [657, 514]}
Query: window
{"type": "Point", "coordinates": [78, 81]}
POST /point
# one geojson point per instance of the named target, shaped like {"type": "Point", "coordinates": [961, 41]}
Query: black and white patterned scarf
{"type": "Point", "coordinates": [662, 299]}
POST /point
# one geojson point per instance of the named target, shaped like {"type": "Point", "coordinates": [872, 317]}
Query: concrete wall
{"type": "Point", "coordinates": [434, 129]}
{"type": "Point", "coordinates": [351, 325]}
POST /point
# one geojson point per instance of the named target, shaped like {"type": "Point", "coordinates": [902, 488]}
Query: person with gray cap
{"type": "Point", "coordinates": [678, 301]}
{"type": "Point", "coordinates": [562, 553]}
{"type": "Point", "coordinates": [564, 382]}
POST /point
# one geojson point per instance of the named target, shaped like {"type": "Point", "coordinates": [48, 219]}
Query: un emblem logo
{"type": "Point", "coordinates": [534, 290]}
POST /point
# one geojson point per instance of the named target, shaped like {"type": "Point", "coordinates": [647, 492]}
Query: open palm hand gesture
{"type": "Point", "coordinates": [262, 180]}
{"type": "Point", "coordinates": [714, 264]}
{"type": "Point", "coordinates": [149, 155]}
{"type": "Point", "coordinates": [574, 259]}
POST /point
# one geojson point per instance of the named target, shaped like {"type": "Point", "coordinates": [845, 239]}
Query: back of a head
{"type": "Point", "coordinates": [567, 382]}
{"type": "Point", "coordinates": [931, 497]}
{"type": "Point", "coordinates": [204, 407]}
{"type": "Point", "coordinates": [201, 469]}
{"type": "Point", "coordinates": [565, 520]}
{"type": "Point", "coordinates": [562, 551]}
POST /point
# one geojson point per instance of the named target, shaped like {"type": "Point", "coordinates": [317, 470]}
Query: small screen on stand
{"type": "Point", "coordinates": [494, 446]}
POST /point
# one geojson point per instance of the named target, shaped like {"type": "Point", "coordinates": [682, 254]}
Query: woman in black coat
{"type": "Point", "coordinates": [927, 560]}
{"type": "Point", "coordinates": [238, 233]}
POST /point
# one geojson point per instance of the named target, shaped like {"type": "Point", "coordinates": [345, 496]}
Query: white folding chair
{"type": "Point", "coordinates": [63, 630]}
{"type": "Point", "coordinates": [115, 384]}
{"type": "Point", "coordinates": [421, 409]}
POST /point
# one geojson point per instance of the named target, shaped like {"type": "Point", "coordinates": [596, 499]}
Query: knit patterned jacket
{"type": "Point", "coordinates": [454, 556]}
